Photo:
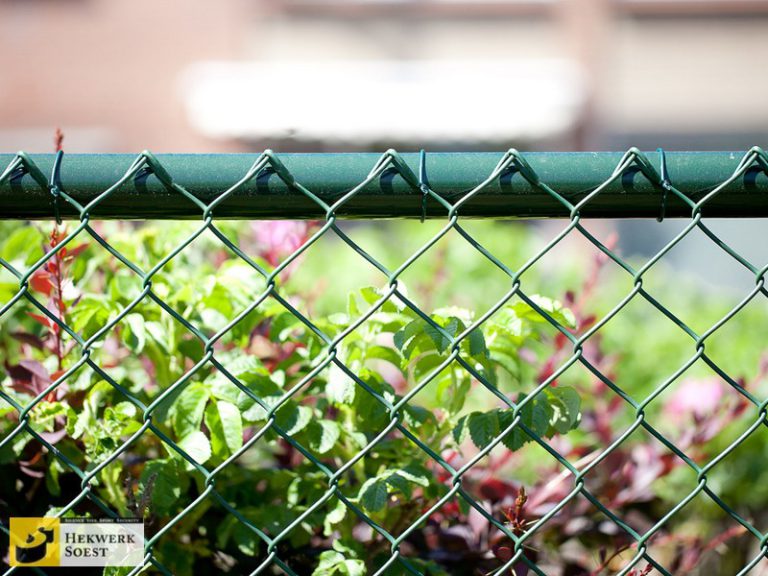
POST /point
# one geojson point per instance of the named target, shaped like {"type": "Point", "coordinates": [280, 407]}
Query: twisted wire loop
{"type": "Point", "coordinates": [511, 163]}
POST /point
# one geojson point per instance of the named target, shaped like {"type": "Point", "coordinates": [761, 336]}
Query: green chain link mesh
{"type": "Point", "coordinates": [512, 160]}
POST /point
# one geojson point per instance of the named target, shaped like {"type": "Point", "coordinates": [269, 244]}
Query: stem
{"type": "Point", "coordinates": [59, 299]}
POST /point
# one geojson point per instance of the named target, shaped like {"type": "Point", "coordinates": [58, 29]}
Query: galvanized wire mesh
{"type": "Point", "coordinates": [512, 161]}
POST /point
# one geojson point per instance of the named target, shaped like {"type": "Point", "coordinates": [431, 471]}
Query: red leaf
{"type": "Point", "coordinates": [41, 282]}
{"type": "Point", "coordinates": [76, 251]}
{"type": "Point", "coordinates": [34, 367]}
{"type": "Point", "coordinates": [503, 553]}
{"type": "Point", "coordinates": [57, 235]}
{"type": "Point", "coordinates": [30, 339]}
{"type": "Point", "coordinates": [547, 370]}
{"type": "Point", "coordinates": [28, 376]}
{"type": "Point", "coordinates": [496, 490]}
{"type": "Point", "coordinates": [450, 509]}
{"type": "Point", "coordinates": [44, 320]}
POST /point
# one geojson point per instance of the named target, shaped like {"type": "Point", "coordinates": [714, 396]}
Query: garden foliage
{"type": "Point", "coordinates": [357, 438]}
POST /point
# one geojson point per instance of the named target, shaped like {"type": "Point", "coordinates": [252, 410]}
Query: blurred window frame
{"type": "Point", "coordinates": [354, 8]}
{"type": "Point", "coordinates": [479, 8]}
{"type": "Point", "coordinates": [691, 7]}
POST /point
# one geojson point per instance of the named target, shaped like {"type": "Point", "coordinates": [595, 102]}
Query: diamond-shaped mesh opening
{"type": "Point", "coordinates": [700, 407]}
{"type": "Point", "coordinates": [513, 398]}
{"type": "Point", "coordinates": [688, 543]}
{"type": "Point", "coordinates": [332, 292]}
{"type": "Point", "coordinates": [558, 240]}
{"type": "Point", "coordinates": [708, 277]}
{"type": "Point", "coordinates": [645, 347]}
{"type": "Point", "coordinates": [444, 255]}
{"type": "Point", "coordinates": [742, 362]}
{"type": "Point", "coordinates": [734, 235]}
{"type": "Point", "coordinates": [728, 466]}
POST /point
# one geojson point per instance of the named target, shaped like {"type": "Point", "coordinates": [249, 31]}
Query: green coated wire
{"type": "Point", "coordinates": [511, 162]}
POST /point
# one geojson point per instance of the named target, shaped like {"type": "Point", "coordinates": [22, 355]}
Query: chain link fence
{"type": "Point", "coordinates": [457, 345]}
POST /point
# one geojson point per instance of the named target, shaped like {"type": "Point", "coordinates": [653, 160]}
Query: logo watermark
{"type": "Point", "coordinates": [76, 542]}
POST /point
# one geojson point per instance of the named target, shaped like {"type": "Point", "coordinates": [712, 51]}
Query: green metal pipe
{"type": "Point", "coordinates": [330, 176]}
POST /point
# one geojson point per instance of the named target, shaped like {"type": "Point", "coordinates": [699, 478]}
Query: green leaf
{"type": "Point", "coordinates": [52, 472]}
{"type": "Point", "coordinates": [213, 319]}
{"type": "Point", "coordinates": [43, 415]}
{"type": "Point", "coordinates": [389, 321]}
{"type": "Point", "coordinates": [373, 494]}
{"type": "Point", "coordinates": [400, 484]}
{"type": "Point", "coordinates": [191, 348]}
{"type": "Point", "coordinates": [293, 419]}
{"type": "Point", "coordinates": [124, 287]}
{"type": "Point", "coordinates": [403, 336]}
{"type": "Point", "coordinates": [483, 427]}
{"type": "Point", "coordinates": [90, 314]}
{"type": "Point", "coordinates": [336, 515]}
{"type": "Point", "coordinates": [226, 427]}
{"type": "Point", "coordinates": [383, 353]}
{"type": "Point", "coordinates": [353, 568]}
{"type": "Point", "coordinates": [196, 445]}
{"type": "Point", "coordinates": [508, 324]}
{"type": "Point", "coordinates": [535, 414]}
{"type": "Point", "coordinates": [461, 429]}
{"type": "Point", "coordinates": [425, 364]}
{"type": "Point", "coordinates": [417, 417]}
{"type": "Point", "coordinates": [402, 479]}
{"type": "Point", "coordinates": [216, 429]}
{"type": "Point", "coordinates": [158, 335]}
{"type": "Point", "coordinates": [113, 490]}
{"type": "Point", "coordinates": [352, 309]}
{"type": "Point", "coordinates": [517, 437]}
{"type": "Point", "coordinates": [503, 354]}
{"type": "Point", "coordinates": [566, 406]}
{"type": "Point", "coordinates": [124, 410]}
{"type": "Point", "coordinates": [255, 411]}
{"type": "Point", "coordinates": [323, 435]}
{"type": "Point", "coordinates": [438, 337]}
{"type": "Point", "coordinates": [370, 414]}
{"type": "Point", "coordinates": [232, 424]}
{"type": "Point", "coordinates": [370, 294]}
{"type": "Point", "coordinates": [415, 473]}
{"type": "Point", "coordinates": [160, 485]}
{"type": "Point", "coordinates": [24, 244]}
{"type": "Point", "coordinates": [454, 389]}
{"type": "Point", "coordinates": [553, 308]}
{"type": "Point", "coordinates": [134, 334]}
{"type": "Point", "coordinates": [541, 415]}
{"type": "Point", "coordinates": [188, 408]}
{"type": "Point", "coordinates": [340, 388]}
{"type": "Point", "coordinates": [117, 570]}
{"type": "Point", "coordinates": [247, 541]}
{"type": "Point", "coordinates": [333, 562]}
{"type": "Point", "coordinates": [285, 326]}
{"type": "Point", "coordinates": [477, 345]}
{"type": "Point", "coordinates": [329, 561]}
{"type": "Point", "coordinates": [350, 548]}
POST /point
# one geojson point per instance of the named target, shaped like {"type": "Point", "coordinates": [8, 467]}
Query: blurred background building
{"type": "Point", "coordinates": [237, 75]}
{"type": "Point", "coordinates": [345, 75]}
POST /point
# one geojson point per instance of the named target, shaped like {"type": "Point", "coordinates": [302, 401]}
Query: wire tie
{"type": "Point", "coordinates": [55, 185]}
{"type": "Point", "coordinates": [665, 184]}
{"type": "Point", "coordinates": [423, 186]}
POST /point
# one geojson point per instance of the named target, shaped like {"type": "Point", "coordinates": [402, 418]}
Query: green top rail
{"type": "Point", "coordinates": [500, 185]}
